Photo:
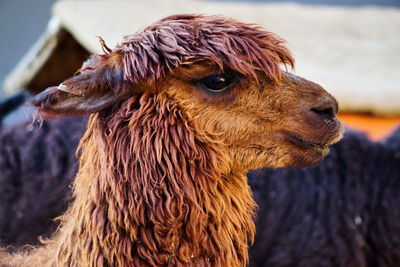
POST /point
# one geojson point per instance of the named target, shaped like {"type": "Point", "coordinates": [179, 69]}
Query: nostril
{"type": "Point", "coordinates": [328, 113]}
{"type": "Point", "coordinates": [326, 107]}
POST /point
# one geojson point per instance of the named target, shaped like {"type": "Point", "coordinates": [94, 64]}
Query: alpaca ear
{"type": "Point", "coordinates": [54, 102]}
{"type": "Point", "coordinates": [96, 87]}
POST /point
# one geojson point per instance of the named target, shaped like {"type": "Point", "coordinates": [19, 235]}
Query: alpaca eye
{"type": "Point", "coordinates": [217, 83]}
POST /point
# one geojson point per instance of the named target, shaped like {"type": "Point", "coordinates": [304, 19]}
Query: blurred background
{"type": "Point", "coordinates": [351, 47]}
{"type": "Point", "coordinates": [21, 24]}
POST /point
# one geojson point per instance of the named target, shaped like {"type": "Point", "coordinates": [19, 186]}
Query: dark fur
{"type": "Point", "coordinates": [342, 212]}
{"type": "Point", "coordinates": [307, 217]}
{"type": "Point", "coordinates": [36, 168]}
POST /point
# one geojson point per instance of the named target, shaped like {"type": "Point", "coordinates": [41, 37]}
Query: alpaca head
{"type": "Point", "coordinates": [224, 76]}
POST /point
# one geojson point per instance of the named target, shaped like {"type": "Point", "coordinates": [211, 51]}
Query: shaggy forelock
{"type": "Point", "coordinates": [183, 39]}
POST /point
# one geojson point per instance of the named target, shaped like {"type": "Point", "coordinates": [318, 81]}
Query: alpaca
{"type": "Point", "coordinates": [180, 112]}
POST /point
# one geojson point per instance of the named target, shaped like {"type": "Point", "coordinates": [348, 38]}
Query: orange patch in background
{"type": "Point", "coordinates": [374, 126]}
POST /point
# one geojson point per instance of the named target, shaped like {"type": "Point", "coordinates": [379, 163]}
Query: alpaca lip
{"type": "Point", "coordinates": [300, 142]}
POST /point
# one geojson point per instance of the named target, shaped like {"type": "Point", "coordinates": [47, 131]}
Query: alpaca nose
{"type": "Point", "coordinates": [327, 108]}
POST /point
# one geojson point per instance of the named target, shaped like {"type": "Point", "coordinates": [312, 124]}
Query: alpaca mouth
{"type": "Point", "coordinates": [300, 142]}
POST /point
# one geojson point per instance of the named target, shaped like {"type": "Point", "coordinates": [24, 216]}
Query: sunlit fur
{"type": "Point", "coordinates": [163, 162]}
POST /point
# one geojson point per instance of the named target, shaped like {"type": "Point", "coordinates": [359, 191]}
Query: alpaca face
{"type": "Point", "coordinates": [261, 124]}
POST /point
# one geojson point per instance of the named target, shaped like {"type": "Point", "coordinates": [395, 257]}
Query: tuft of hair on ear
{"type": "Point", "coordinates": [104, 46]}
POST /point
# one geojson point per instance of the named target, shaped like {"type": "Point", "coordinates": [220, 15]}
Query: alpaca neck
{"type": "Point", "coordinates": [210, 229]}
{"type": "Point", "coordinates": [151, 191]}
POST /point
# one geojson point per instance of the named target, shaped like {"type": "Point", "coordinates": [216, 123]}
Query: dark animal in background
{"type": "Point", "coordinates": [343, 212]}
{"type": "Point", "coordinates": [37, 165]}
